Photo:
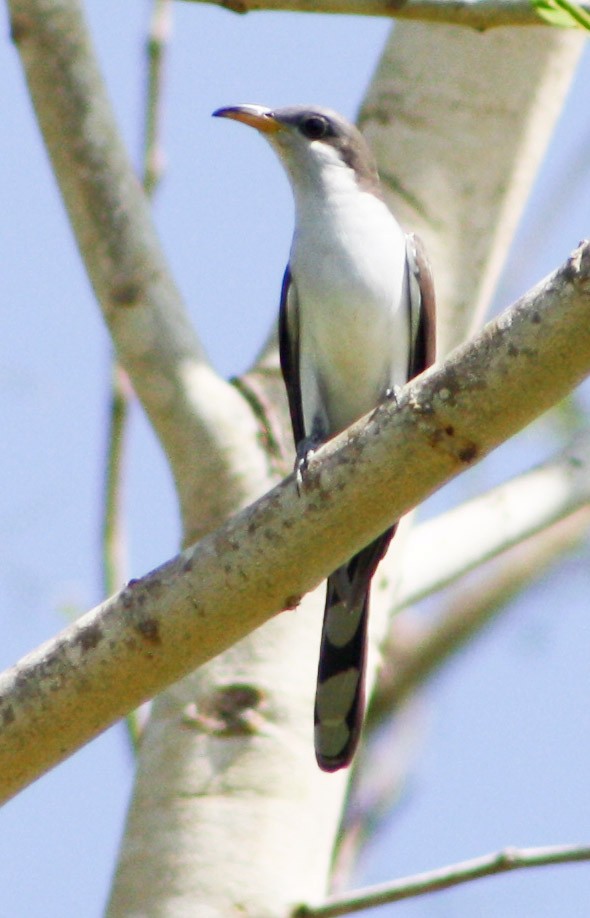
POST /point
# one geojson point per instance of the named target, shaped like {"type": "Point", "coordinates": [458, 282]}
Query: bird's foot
{"type": "Point", "coordinates": [391, 394]}
{"type": "Point", "coordinates": [305, 450]}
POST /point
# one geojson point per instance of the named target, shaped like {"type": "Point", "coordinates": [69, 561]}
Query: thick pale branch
{"type": "Point", "coordinates": [445, 877]}
{"type": "Point", "coordinates": [193, 607]}
{"type": "Point", "coordinates": [530, 521]}
{"type": "Point", "coordinates": [415, 651]}
{"type": "Point", "coordinates": [478, 14]}
{"type": "Point", "coordinates": [194, 412]}
{"type": "Point", "coordinates": [463, 538]}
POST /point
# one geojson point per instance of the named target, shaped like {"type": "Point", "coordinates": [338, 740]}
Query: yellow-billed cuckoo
{"type": "Point", "coordinates": [357, 321]}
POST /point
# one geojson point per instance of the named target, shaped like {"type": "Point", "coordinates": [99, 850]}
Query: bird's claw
{"type": "Point", "coordinates": [305, 451]}
{"type": "Point", "coordinates": [392, 394]}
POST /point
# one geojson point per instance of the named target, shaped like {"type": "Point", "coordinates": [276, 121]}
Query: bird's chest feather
{"type": "Point", "coordinates": [348, 263]}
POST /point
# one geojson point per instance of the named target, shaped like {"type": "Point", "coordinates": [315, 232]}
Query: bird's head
{"type": "Point", "coordinates": [310, 141]}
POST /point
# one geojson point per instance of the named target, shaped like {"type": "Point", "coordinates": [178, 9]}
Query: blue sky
{"type": "Point", "coordinates": [505, 735]}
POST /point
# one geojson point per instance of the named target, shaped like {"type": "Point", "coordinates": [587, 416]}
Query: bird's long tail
{"type": "Point", "coordinates": [339, 700]}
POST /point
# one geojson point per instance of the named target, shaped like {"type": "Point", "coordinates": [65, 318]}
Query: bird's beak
{"type": "Point", "coordinates": [257, 116]}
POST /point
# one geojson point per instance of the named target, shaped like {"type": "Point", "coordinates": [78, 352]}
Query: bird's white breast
{"type": "Point", "coordinates": [348, 264]}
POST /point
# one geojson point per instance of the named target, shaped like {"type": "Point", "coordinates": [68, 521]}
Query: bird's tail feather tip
{"type": "Point", "coordinates": [336, 738]}
{"type": "Point", "coordinates": [332, 765]}
{"type": "Point", "coordinates": [330, 759]}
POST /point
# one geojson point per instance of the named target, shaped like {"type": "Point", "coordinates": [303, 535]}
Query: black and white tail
{"type": "Point", "coordinates": [340, 692]}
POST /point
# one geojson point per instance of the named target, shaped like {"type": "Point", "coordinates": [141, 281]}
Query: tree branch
{"type": "Point", "coordinates": [414, 652]}
{"type": "Point", "coordinates": [113, 544]}
{"type": "Point", "coordinates": [477, 14]}
{"type": "Point", "coordinates": [194, 412]}
{"type": "Point", "coordinates": [262, 560]}
{"type": "Point", "coordinates": [461, 539]}
{"type": "Point", "coordinates": [157, 44]}
{"type": "Point", "coordinates": [445, 877]}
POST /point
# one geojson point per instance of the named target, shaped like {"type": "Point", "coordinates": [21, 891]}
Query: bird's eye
{"type": "Point", "coordinates": [314, 126]}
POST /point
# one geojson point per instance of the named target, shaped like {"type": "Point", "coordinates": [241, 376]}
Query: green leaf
{"type": "Point", "coordinates": [562, 13]}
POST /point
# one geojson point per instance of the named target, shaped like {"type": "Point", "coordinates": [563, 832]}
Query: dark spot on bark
{"type": "Point", "coordinates": [225, 543]}
{"type": "Point", "coordinates": [235, 6]}
{"type": "Point", "coordinates": [468, 453]}
{"type": "Point", "coordinates": [126, 293]}
{"type": "Point", "coordinates": [197, 607]}
{"type": "Point", "coordinates": [536, 318]}
{"type": "Point", "coordinates": [237, 698]}
{"type": "Point", "coordinates": [8, 715]}
{"type": "Point", "coordinates": [20, 26]}
{"type": "Point", "coordinates": [450, 430]}
{"type": "Point", "coordinates": [88, 637]}
{"type": "Point", "coordinates": [154, 586]}
{"type": "Point", "coordinates": [292, 601]}
{"type": "Point", "coordinates": [149, 629]}
{"type": "Point", "coordinates": [232, 710]}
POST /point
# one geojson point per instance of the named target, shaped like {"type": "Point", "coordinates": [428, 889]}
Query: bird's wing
{"type": "Point", "coordinates": [422, 306]}
{"type": "Point", "coordinates": [289, 353]}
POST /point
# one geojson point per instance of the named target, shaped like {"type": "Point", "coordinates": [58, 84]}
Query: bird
{"type": "Point", "coordinates": [356, 322]}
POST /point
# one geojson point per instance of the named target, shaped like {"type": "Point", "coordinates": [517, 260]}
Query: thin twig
{"type": "Point", "coordinates": [113, 539]}
{"type": "Point", "coordinates": [153, 155]}
{"type": "Point", "coordinates": [444, 877]}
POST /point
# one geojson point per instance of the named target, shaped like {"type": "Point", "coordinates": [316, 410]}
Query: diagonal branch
{"type": "Point", "coordinates": [531, 522]}
{"type": "Point", "coordinates": [414, 652]}
{"type": "Point", "coordinates": [157, 44]}
{"type": "Point", "coordinates": [194, 412]}
{"type": "Point", "coordinates": [283, 545]}
{"type": "Point", "coordinates": [446, 877]}
{"type": "Point", "coordinates": [459, 540]}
